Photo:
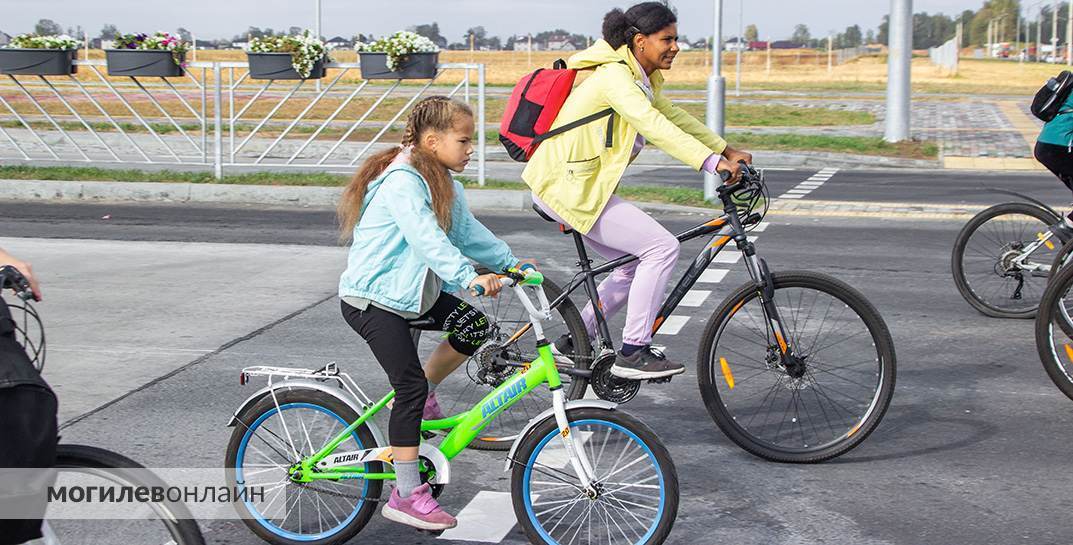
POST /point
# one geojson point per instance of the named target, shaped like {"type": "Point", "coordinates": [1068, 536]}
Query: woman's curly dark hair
{"type": "Point", "coordinates": [644, 18]}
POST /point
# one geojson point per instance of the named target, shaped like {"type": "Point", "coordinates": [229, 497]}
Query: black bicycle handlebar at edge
{"type": "Point", "coordinates": [10, 277]}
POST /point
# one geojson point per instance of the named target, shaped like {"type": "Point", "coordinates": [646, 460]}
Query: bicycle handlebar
{"type": "Point", "coordinates": [10, 277]}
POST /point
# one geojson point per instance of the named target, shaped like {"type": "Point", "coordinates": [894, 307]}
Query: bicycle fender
{"type": "Point", "coordinates": [550, 413]}
{"type": "Point", "coordinates": [298, 384]}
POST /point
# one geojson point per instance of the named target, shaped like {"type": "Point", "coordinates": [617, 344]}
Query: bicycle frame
{"type": "Point", "coordinates": [465, 427]}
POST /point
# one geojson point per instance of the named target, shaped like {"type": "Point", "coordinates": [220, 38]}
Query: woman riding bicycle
{"type": "Point", "coordinates": [574, 175]}
{"type": "Point", "coordinates": [1054, 149]}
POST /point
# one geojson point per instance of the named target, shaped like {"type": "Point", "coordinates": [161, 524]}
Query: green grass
{"type": "Point", "coordinates": [858, 145]}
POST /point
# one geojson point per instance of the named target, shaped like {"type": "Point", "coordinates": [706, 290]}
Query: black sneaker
{"type": "Point", "coordinates": [644, 364]}
{"type": "Point", "coordinates": [1062, 231]}
{"type": "Point", "coordinates": [561, 347]}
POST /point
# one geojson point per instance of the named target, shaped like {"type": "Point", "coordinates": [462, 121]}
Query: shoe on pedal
{"type": "Point", "coordinates": [1063, 231]}
{"type": "Point", "coordinates": [645, 364]}
{"type": "Point", "coordinates": [561, 347]}
{"type": "Point", "coordinates": [420, 510]}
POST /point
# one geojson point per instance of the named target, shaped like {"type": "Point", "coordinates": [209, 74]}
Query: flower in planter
{"type": "Point", "coordinates": [398, 46]}
{"type": "Point", "coordinates": [305, 50]}
{"type": "Point", "coordinates": [33, 41]}
{"type": "Point", "coordinates": [160, 41]}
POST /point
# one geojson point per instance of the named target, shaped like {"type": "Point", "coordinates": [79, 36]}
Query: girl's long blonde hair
{"type": "Point", "coordinates": [436, 113]}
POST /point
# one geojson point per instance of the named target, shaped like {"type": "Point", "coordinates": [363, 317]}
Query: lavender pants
{"type": "Point", "coordinates": [623, 229]}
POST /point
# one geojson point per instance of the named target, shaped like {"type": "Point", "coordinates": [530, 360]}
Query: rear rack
{"type": "Point", "coordinates": [329, 372]}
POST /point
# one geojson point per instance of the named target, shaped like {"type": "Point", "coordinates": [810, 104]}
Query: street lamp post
{"type": "Point", "coordinates": [316, 29]}
{"type": "Point", "coordinates": [898, 70]}
{"type": "Point", "coordinates": [716, 94]}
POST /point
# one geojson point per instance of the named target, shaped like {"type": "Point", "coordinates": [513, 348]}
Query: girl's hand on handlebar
{"type": "Point", "coordinates": [488, 283]}
{"type": "Point", "coordinates": [24, 268]}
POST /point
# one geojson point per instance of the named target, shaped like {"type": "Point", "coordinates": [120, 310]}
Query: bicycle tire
{"type": "Point", "coordinates": [1063, 316]}
{"type": "Point", "coordinates": [501, 433]}
{"type": "Point", "coordinates": [712, 372]}
{"type": "Point", "coordinates": [1049, 354]}
{"type": "Point", "coordinates": [957, 258]}
{"type": "Point", "coordinates": [181, 526]}
{"type": "Point", "coordinates": [588, 418]}
{"type": "Point", "coordinates": [252, 418]}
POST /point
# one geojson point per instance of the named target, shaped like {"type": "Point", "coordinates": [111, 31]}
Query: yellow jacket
{"type": "Point", "coordinates": [574, 172]}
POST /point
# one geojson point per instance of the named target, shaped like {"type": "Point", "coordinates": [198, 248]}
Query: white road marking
{"type": "Point", "coordinates": [728, 256]}
{"type": "Point", "coordinates": [487, 518]}
{"type": "Point", "coordinates": [761, 227]}
{"type": "Point", "coordinates": [672, 325]}
{"type": "Point", "coordinates": [695, 298]}
{"type": "Point", "coordinates": [810, 184]}
{"type": "Point", "coordinates": [790, 196]}
{"type": "Point", "coordinates": [713, 276]}
{"type": "Point", "coordinates": [799, 192]}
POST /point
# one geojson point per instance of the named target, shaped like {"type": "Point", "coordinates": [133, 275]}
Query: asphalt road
{"type": "Point", "coordinates": [972, 450]}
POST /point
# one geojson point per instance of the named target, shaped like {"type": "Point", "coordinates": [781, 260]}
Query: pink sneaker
{"type": "Point", "coordinates": [420, 510]}
{"type": "Point", "coordinates": [432, 409]}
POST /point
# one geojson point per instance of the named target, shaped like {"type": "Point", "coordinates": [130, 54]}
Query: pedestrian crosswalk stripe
{"type": "Point", "coordinates": [731, 255]}
{"type": "Point", "coordinates": [672, 325]}
{"type": "Point", "coordinates": [695, 298]}
{"type": "Point", "coordinates": [790, 196]}
{"type": "Point", "coordinates": [487, 518]}
{"type": "Point", "coordinates": [799, 191]}
{"type": "Point", "coordinates": [761, 227]}
{"type": "Point", "coordinates": [713, 276]}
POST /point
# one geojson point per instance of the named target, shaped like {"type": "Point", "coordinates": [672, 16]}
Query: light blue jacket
{"type": "Point", "coordinates": [1059, 131]}
{"type": "Point", "coordinates": [397, 241]}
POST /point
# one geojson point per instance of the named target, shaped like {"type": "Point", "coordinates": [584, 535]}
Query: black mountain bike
{"type": "Point", "coordinates": [794, 366]}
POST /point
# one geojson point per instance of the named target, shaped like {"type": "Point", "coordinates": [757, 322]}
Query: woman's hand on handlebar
{"type": "Point", "coordinates": [732, 168]}
{"type": "Point", "coordinates": [489, 285]}
{"type": "Point", "coordinates": [735, 156]}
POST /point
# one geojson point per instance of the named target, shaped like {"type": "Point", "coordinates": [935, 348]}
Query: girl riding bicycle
{"type": "Point", "coordinates": [574, 175]}
{"type": "Point", "coordinates": [412, 233]}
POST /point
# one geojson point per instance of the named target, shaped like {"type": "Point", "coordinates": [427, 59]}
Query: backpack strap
{"type": "Point", "coordinates": [583, 121]}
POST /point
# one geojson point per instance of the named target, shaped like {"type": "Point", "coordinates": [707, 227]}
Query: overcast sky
{"type": "Point", "coordinates": [226, 18]}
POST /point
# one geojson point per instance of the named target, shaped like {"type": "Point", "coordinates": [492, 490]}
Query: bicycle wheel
{"type": "Point", "coordinates": [1064, 314]}
{"type": "Point", "coordinates": [262, 449]}
{"type": "Point", "coordinates": [164, 521]}
{"type": "Point", "coordinates": [984, 260]}
{"type": "Point", "coordinates": [502, 356]}
{"type": "Point", "coordinates": [637, 483]}
{"type": "Point", "coordinates": [1055, 347]}
{"type": "Point", "coordinates": [819, 411]}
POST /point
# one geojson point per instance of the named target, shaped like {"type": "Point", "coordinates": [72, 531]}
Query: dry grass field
{"type": "Point", "coordinates": [801, 70]}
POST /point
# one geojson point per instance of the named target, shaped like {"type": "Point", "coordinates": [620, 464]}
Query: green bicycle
{"type": "Point", "coordinates": [582, 471]}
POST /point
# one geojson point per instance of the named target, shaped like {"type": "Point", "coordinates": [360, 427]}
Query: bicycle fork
{"type": "Point", "coordinates": [760, 274]}
{"type": "Point", "coordinates": [579, 461]}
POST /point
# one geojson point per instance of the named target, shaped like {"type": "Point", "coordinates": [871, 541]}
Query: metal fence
{"type": "Point", "coordinates": [946, 56]}
{"type": "Point", "coordinates": [216, 115]}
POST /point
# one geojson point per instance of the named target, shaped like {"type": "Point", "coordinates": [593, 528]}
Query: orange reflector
{"type": "Point", "coordinates": [736, 307]}
{"type": "Point", "coordinates": [854, 430]}
{"type": "Point", "coordinates": [782, 342]}
{"type": "Point", "coordinates": [655, 326]}
{"type": "Point", "coordinates": [726, 373]}
{"type": "Point", "coordinates": [1069, 352]}
{"type": "Point", "coordinates": [1046, 240]}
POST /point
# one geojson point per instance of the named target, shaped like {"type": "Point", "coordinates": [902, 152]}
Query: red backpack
{"type": "Point", "coordinates": [536, 100]}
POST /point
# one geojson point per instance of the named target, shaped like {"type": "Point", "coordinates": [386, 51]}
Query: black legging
{"type": "Point", "coordinates": [388, 335]}
{"type": "Point", "coordinates": [1057, 159]}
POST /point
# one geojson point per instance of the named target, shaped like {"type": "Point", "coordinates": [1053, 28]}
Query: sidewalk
{"type": "Point", "coordinates": [479, 199]}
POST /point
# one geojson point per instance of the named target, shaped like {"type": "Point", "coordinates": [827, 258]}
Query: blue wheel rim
{"type": "Point", "coordinates": [240, 457]}
{"type": "Point", "coordinates": [526, 492]}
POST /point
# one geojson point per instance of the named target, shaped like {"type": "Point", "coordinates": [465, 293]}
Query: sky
{"type": "Point", "coordinates": [224, 19]}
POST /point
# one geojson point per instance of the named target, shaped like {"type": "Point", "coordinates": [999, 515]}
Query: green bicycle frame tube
{"type": "Point", "coordinates": [466, 426]}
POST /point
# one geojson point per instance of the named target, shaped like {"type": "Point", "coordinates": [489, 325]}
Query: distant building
{"type": "Point", "coordinates": [735, 44]}
{"type": "Point", "coordinates": [521, 43]}
{"type": "Point", "coordinates": [785, 44]}
{"type": "Point", "coordinates": [338, 42]}
{"type": "Point", "coordinates": [757, 46]}
{"type": "Point", "coordinates": [560, 43]}
{"type": "Point", "coordinates": [240, 45]}
{"type": "Point", "coordinates": [100, 43]}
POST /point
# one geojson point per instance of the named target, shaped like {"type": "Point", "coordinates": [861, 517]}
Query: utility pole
{"type": "Point", "coordinates": [769, 55]}
{"type": "Point", "coordinates": [1054, 32]}
{"type": "Point", "coordinates": [1069, 36]}
{"type": "Point", "coordinates": [716, 95]}
{"type": "Point", "coordinates": [830, 63]}
{"type": "Point", "coordinates": [898, 70]}
{"type": "Point", "coordinates": [316, 29]}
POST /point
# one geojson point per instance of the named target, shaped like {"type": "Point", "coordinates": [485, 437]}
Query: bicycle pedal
{"type": "Point", "coordinates": [433, 533]}
{"type": "Point", "coordinates": [659, 380]}
{"type": "Point", "coordinates": [426, 435]}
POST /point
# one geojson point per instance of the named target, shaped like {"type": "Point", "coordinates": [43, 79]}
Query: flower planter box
{"type": "Point", "coordinates": [278, 66]}
{"type": "Point", "coordinates": [413, 66]}
{"type": "Point", "coordinates": [141, 62]}
{"type": "Point", "coordinates": [40, 62]}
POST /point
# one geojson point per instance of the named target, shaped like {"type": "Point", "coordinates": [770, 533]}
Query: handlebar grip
{"type": "Point", "coordinates": [724, 175]}
{"type": "Point", "coordinates": [527, 267]}
{"type": "Point", "coordinates": [478, 291]}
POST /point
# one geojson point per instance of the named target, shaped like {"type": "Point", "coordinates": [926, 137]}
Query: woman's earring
{"type": "Point", "coordinates": [642, 49]}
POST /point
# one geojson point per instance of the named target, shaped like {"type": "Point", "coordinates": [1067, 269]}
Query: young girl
{"type": "Point", "coordinates": [412, 233]}
{"type": "Point", "coordinates": [574, 175]}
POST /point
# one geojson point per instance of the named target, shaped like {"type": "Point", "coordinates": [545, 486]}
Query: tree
{"type": "Point", "coordinates": [295, 31]}
{"type": "Point", "coordinates": [475, 36]}
{"type": "Point", "coordinates": [851, 37]}
{"type": "Point", "coordinates": [46, 27]}
{"type": "Point", "coordinates": [870, 38]}
{"type": "Point", "coordinates": [432, 32]}
{"type": "Point", "coordinates": [108, 32]}
{"type": "Point", "coordinates": [184, 34]}
{"type": "Point", "coordinates": [752, 34]}
{"type": "Point", "coordinates": [801, 35]}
